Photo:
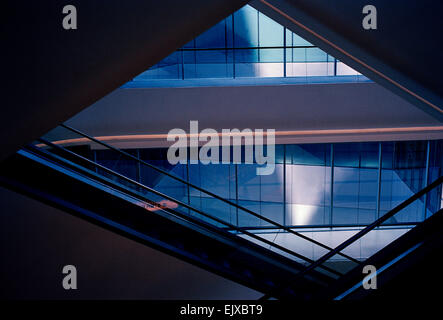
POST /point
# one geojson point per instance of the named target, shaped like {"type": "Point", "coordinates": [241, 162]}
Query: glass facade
{"type": "Point", "coordinates": [246, 44]}
{"type": "Point", "coordinates": [326, 192]}
{"type": "Point", "coordinates": [313, 185]}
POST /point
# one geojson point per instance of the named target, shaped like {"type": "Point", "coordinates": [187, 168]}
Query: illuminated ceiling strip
{"type": "Point", "coordinates": [136, 137]}
{"type": "Point", "coordinates": [351, 56]}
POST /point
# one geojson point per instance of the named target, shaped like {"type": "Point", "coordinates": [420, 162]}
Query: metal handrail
{"type": "Point", "coordinates": [239, 229]}
{"type": "Point", "coordinates": [280, 226]}
{"type": "Point", "coordinates": [371, 226]}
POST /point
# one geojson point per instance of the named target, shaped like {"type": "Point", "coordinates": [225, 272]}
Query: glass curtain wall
{"type": "Point", "coordinates": [246, 44]}
{"type": "Point", "coordinates": [324, 185]}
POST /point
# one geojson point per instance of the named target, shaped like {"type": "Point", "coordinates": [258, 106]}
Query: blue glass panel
{"type": "Point", "coordinates": [212, 56]}
{"type": "Point", "coordinates": [299, 41]}
{"type": "Point", "coordinates": [246, 56]}
{"type": "Point", "coordinates": [189, 57]}
{"type": "Point", "coordinates": [347, 155]}
{"type": "Point", "coordinates": [289, 151]}
{"type": "Point", "coordinates": [229, 32]}
{"type": "Point", "coordinates": [216, 178]}
{"type": "Point", "coordinates": [394, 190]}
{"type": "Point", "coordinates": [307, 194]}
{"type": "Point", "coordinates": [246, 27]}
{"type": "Point", "coordinates": [272, 185]}
{"type": "Point", "coordinates": [355, 192]}
{"type": "Point", "coordinates": [387, 158]}
{"type": "Point", "coordinates": [248, 182]}
{"type": "Point", "coordinates": [279, 153]}
{"type": "Point", "coordinates": [213, 38]}
{"type": "Point", "coordinates": [165, 184]}
{"type": "Point", "coordinates": [410, 154]}
{"type": "Point", "coordinates": [289, 55]}
{"type": "Point", "coordinates": [346, 189]}
{"type": "Point", "coordinates": [369, 155]}
{"type": "Point", "coordinates": [298, 55]}
{"type": "Point", "coordinates": [210, 64]}
{"type": "Point", "coordinates": [190, 44]}
{"type": "Point", "coordinates": [410, 163]}
{"type": "Point", "coordinates": [168, 68]}
{"type": "Point", "coordinates": [404, 175]}
{"type": "Point", "coordinates": [434, 198]}
{"type": "Point", "coordinates": [311, 154]}
{"type": "Point", "coordinates": [273, 211]}
{"type": "Point", "coordinates": [316, 55]}
{"type": "Point", "coordinates": [271, 55]}
{"type": "Point", "coordinates": [248, 193]}
{"type": "Point", "coordinates": [271, 195]}
{"type": "Point", "coordinates": [246, 63]}
{"type": "Point", "coordinates": [289, 38]}
{"type": "Point", "coordinates": [270, 32]}
{"type": "Point", "coordinates": [245, 219]}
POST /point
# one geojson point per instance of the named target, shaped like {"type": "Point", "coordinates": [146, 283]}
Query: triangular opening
{"type": "Point", "coordinates": [247, 44]}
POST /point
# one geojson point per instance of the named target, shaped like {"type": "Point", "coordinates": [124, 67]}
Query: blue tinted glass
{"type": "Point", "coordinates": [248, 182]}
{"type": "Point", "coordinates": [212, 56]}
{"type": "Point", "coordinates": [289, 55]}
{"type": "Point", "coordinates": [168, 68]}
{"type": "Point", "coordinates": [270, 32]}
{"type": "Point", "coordinates": [347, 155]}
{"type": "Point", "coordinates": [213, 38]}
{"type": "Point", "coordinates": [300, 192]}
{"type": "Point", "coordinates": [248, 193]}
{"type": "Point", "coordinates": [298, 55]}
{"type": "Point", "coordinates": [190, 44]}
{"type": "Point", "coordinates": [387, 158]}
{"type": "Point", "coordinates": [355, 195]}
{"type": "Point", "coordinates": [208, 64]}
{"type": "Point", "coordinates": [307, 194]}
{"type": "Point", "coordinates": [289, 38]}
{"type": "Point", "coordinates": [299, 41]}
{"type": "Point", "coordinates": [410, 154]}
{"type": "Point", "coordinates": [312, 154]}
{"type": "Point", "coordinates": [271, 55]}
{"type": "Point", "coordinates": [189, 57]}
{"type": "Point", "coordinates": [403, 175]}
{"type": "Point", "coordinates": [216, 178]}
{"type": "Point", "coordinates": [369, 155]}
{"type": "Point", "coordinates": [271, 195]}
{"type": "Point", "coordinates": [316, 55]}
{"type": "Point", "coordinates": [246, 55]}
{"type": "Point", "coordinates": [434, 198]}
{"type": "Point", "coordinates": [246, 27]}
{"type": "Point", "coordinates": [279, 153]}
{"type": "Point", "coordinates": [346, 190]}
{"type": "Point", "coordinates": [229, 31]}
{"type": "Point", "coordinates": [394, 190]}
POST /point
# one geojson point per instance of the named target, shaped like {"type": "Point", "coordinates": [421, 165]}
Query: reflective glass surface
{"type": "Point", "coordinates": [246, 44]}
{"type": "Point", "coordinates": [316, 185]}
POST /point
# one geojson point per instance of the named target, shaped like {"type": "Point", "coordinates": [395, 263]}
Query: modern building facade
{"type": "Point", "coordinates": [348, 153]}
{"type": "Point", "coordinates": [326, 191]}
